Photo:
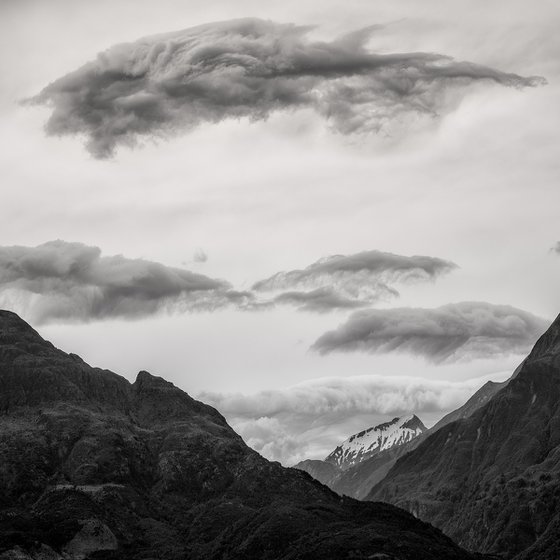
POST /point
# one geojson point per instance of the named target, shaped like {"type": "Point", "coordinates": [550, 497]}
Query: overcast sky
{"type": "Point", "coordinates": [310, 226]}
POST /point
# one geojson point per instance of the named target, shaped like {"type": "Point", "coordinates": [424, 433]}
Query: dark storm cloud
{"type": "Point", "coordinates": [61, 280]}
{"type": "Point", "coordinates": [451, 332]}
{"type": "Point", "coordinates": [173, 82]}
{"type": "Point", "coordinates": [350, 281]}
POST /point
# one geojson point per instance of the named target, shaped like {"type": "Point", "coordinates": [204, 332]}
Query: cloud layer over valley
{"type": "Point", "coordinates": [311, 418]}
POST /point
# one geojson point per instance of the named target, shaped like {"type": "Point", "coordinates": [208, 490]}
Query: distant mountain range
{"type": "Point", "coordinates": [94, 467]}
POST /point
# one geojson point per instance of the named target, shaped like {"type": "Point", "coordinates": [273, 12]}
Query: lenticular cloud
{"type": "Point", "coordinates": [248, 68]}
{"type": "Point", "coordinates": [452, 332]}
{"type": "Point", "coordinates": [351, 281]}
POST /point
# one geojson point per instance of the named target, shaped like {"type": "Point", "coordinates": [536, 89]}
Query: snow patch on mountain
{"type": "Point", "coordinates": [367, 443]}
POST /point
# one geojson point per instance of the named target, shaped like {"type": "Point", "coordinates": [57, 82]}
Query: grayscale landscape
{"type": "Point", "coordinates": [279, 280]}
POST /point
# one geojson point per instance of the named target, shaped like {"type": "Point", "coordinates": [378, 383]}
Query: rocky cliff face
{"type": "Point", "coordinates": [92, 466]}
{"type": "Point", "coordinates": [492, 480]}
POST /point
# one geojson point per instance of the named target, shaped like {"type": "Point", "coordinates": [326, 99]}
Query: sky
{"type": "Point", "coordinates": [313, 216]}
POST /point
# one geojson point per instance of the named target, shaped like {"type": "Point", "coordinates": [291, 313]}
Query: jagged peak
{"type": "Point", "coordinates": [362, 445]}
{"type": "Point", "coordinates": [159, 400]}
{"type": "Point", "coordinates": [146, 379]}
{"type": "Point", "coordinates": [413, 422]}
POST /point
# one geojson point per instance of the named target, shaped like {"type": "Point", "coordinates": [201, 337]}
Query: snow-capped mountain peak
{"type": "Point", "coordinates": [367, 443]}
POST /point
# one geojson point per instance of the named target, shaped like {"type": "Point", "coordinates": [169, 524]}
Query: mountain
{"type": "Point", "coordinates": [320, 470]}
{"type": "Point", "coordinates": [491, 480]}
{"type": "Point", "coordinates": [92, 466]}
{"type": "Point", "coordinates": [358, 480]}
{"type": "Point", "coordinates": [479, 399]}
{"type": "Point", "coordinates": [338, 470]}
{"type": "Point", "coordinates": [370, 442]}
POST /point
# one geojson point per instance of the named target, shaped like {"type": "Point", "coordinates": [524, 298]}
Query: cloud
{"type": "Point", "coordinates": [71, 281]}
{"type": "Point", "coordinates": [271, 438]}
{"type": "Point", "coordinates": [556, 248]}
{"type": "Point", "coordinates": [452, 332]}
{"type": "Point", "coordinates": [310, 419]}
{"type": "Point", "coordinates": [200, 256]}
{"type": "Point", "coordinates": [351, 281]}
{"type": "Point", "coordinates": [249, 68]}
{"type": "Point", "coordinates": [320, 300]}
{"type": "Point", "coordinates": [59, 280]}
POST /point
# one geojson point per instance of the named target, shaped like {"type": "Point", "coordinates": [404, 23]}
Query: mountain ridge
{"type": "Point", "coordinates": [490, 480]}
{"type": "Point", "coordinates": [96, 467]}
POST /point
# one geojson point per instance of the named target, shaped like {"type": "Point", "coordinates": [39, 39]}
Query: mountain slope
{"type": "Point", "coordinates": [478, 400]}
{"type": "Point", "coordinates": [358, 480]}
{"type": "Point", "coordinates": [92, 466]}
{"type": "Point", "coordinates": [491, 481]}
{"type": "Point", "coordinates": [320, 470]}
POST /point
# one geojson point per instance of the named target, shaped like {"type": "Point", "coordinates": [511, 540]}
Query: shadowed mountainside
{"type": "Point", "coordinates": [492, 480]}
{"type": "Point", "coordinates": [320, 470]}
{"type": "Point", "coordinates": [92, 466]}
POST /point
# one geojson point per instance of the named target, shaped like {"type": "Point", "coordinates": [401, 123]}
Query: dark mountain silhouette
{"type": "Point", "coordinates": [478, 400]}
{"type": "Point", "coordinates": [358, 480]}
{"type": "Point", "coordinates": [491, 481]}
{"type": "Point", "coordinates": [92, 466]}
